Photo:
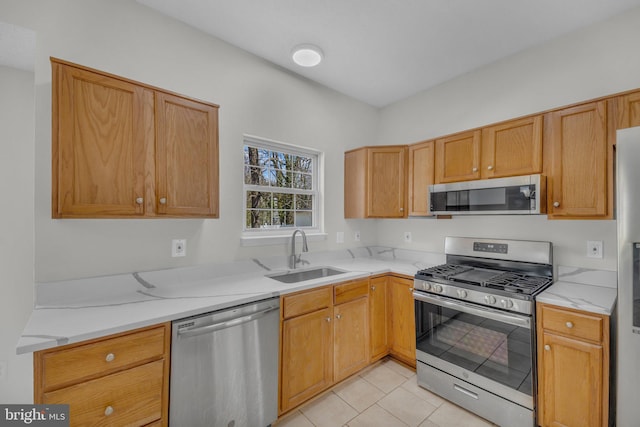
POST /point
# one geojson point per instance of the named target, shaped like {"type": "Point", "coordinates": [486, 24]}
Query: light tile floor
{"type": "Point", "coordinates": [385, 395]}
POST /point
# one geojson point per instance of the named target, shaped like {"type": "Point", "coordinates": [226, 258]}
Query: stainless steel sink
{"type": "Point", "coordinates": [308, 274]}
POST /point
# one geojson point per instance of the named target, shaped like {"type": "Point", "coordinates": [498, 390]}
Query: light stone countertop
{"type": "Point", "coordinates": [594, 291]}
{"type": "Point", "coordinates": [71, 311]}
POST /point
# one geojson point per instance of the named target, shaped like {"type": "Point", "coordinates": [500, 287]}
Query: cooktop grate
{"type": "Point", "coordinates": [445, 271]}
{"type": "Point", "coordinates": [518, 283]}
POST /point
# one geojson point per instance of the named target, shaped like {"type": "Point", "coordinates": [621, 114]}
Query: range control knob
{"type": "Point", "coordinates": [506, 303]}
{"type": "Point", "coordinates": [462, 293]}
{"type": "Point", "coordinates": [437, 288]}
{"type": "Point", "coordinates": [490, 299]}
{"type": "Point", "coordinates": [426, 286]}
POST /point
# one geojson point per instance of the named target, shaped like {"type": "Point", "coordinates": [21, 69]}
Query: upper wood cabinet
{"type": "Point", "coordinates": [186, 157]}
{"type": "Point", "coordinates": [375, 182]}
{"type": "Point", "coordinates": [421, 176]}
{"type": "Point", "coordinates": [626, 110]}
{"type": "Point", "coordinates": [506, 149]}
{"type": "Point", "coordinates": [512, 148]}
{"type": "Point", "coordinates": [458, 157]}
{"type": "Point", "coordinates": [125, 149]}
{"type": "Point", "coordinates": [579, 162]}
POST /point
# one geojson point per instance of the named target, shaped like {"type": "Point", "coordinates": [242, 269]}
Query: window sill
{"type": "Point", "coordinates": [278, 239]}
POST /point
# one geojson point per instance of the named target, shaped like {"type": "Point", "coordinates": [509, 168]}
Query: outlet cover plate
{"type": "Point", "coordinates": [178, 247]}
{"type": "Point", "coordinates": [595, 249]}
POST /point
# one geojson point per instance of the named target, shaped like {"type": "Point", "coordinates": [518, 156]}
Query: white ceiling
{"type": "Point", "coordinates": [377, 51]}
{"type": "Point", "coordinates": [381, 51]}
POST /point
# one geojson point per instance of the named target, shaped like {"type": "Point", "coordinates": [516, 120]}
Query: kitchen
{"type": "Point", "coordinates": [259, 99]}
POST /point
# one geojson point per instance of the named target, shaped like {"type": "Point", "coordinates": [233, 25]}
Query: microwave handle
{"type": "Point", "coordinates": [500, 316]}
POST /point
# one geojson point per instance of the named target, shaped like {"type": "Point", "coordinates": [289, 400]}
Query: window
{"type": "Point", "coordinates": [281, 187]}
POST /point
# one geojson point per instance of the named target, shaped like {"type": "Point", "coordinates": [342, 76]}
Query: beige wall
{"type": "Point", "coordinates": [122, 37]}
{"type": "Point", "coordinates": [596, 61]}
{"type": "Point", "coordinates": [16, 228]}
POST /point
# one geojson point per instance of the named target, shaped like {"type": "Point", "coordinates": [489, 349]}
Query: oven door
{"type": "Point", "coordinates": [488, 348]}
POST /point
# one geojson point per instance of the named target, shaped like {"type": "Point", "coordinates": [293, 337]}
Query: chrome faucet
{"type": "Point", "coordinates": [293, 259]}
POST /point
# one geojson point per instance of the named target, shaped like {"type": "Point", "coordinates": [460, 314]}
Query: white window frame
{"type": "Point", "coordinates": [268, 236]}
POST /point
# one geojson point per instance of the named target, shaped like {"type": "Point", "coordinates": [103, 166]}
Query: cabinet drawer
{"type": "Point", "coordinates": [131, 397]}
{"type": "Point", "coordinates": [306, 302]}
{"type": "Point", "coordinates": [571, 323]}
{"type": "Point", "coordinates": [63, 367]}
{"type": "Point", "coordinates": [351, 290]}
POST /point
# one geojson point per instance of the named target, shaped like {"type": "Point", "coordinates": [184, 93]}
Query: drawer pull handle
{"type": "Point", "coordinates": [547, 347]}
{"type": "Point", "coordinates": [139, 200]}
{"type": "Point", "coordinates": [110, 357]}
{"type": "Point", "coordinates": [569, 325]}
{"type": "Point", "coordinates": [108, 411]}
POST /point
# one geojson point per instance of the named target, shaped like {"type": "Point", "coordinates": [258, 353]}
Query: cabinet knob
{"type": "Point", "coordinates": [163, 200]}
{"type": "Point", "coordinates": [401, 209]}
{"type": "Point", "coordinates": [328, 319]}
{"type": "Point", "coordinates": [110, 357]}
{"type": "Point", "coordinates": [569, 325]}
{"type": "Point", "coordinates": [108, 411]}
{"type": "Point", "coordinates": [338, 316]}
{"type": "Point", "coordinates": [410, 289]}
{"type": "Point", "coordinates": [373, 288]}
{"type": "Point", "coordinates": [490, 167]}
{"type": "Point", "coordinates": [474, 170]}
{"type": "Point", "coordinates": [547, 347]}
{"type": "Point", "coordinates": [556, 204]}
{"type": "Point", "coordinates": [139, 200]}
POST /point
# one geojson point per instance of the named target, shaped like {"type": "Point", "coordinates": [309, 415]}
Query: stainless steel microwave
{"type": "Point", "coordinates": [505, 196]}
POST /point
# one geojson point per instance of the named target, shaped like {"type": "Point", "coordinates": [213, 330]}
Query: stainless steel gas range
{"type": "Point", "coordinates": [475, 326]}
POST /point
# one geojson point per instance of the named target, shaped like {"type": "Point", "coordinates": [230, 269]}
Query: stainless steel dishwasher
{"type": "Point", "coordinates": [224, 367]}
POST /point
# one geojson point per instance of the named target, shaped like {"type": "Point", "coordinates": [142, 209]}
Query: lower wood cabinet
{"type": "Point", "coordinates": [573, 367]}
{"type": "Point", "coordinates": [118, 380]}
{"type": "Point", "coordinates": [378, 318]}
{"type": "Point", "coordinates": [325, 338]}
{"type": "Point", "coordinates": [402, 325]}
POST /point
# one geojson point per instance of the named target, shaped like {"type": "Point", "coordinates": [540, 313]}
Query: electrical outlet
{"type": "Point", "coordinates": [178, 247]}
{"type": "Point", "coordinates": [340, 237]}
{"type": "Point", "coordinates": [3, 370]}
{"type": "Point", "coordinates": [356, 236]}
{"type": "Point", "coordinates": [407, 237]}
{"type": "Point", "coordinates": [595, 248]}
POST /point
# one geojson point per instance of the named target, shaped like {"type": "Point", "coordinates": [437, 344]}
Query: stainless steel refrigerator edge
{"type": "Point", "coordinates": [628, 333]}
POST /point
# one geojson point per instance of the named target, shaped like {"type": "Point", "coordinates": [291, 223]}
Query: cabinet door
{"type": "Point", "coordinates": [421, 174]}
{"type": "Point", "coordinates": [458, 157]}
{"type": "Point", "coordinates": [627, 110]}
{"type": "Point", "coordinates": [102, 136]}
{"type": "Point", "coordinates": [351, 337]}
{"type": "Point", "coordinates": [378, 318]}
{"type": "Point", "coordinates": [571, 386]}
{"type": "Point", "coordinates": [386, 176]}
{"type": "Point", "coordinates": [355, 183]}
{"type": "Point", "coordinates": [579, 182]}
{"type": "Point", "coordinates": [307, 357]}
{"type": "Point", "coordinates": [186, 158]}
{"type": "Point", "coordinates": [512, 148]}
{"type": "Point", "coordinates": [402, 319]}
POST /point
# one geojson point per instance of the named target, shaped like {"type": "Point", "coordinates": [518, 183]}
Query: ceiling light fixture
{"type": "Point", "coordinates": [307, 55]}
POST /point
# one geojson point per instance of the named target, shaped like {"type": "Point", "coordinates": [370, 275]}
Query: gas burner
{"type": "Point", "coordinates": [517, 283]}
{"type": "Point", "coordinates": [445, 271]}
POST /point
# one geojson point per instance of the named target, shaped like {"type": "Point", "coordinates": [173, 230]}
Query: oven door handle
{"type": "Point", "coordinates": [522, 321]}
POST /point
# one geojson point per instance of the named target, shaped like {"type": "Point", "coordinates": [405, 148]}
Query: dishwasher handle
{"type": "Point", "coordinates": [191, 332]}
